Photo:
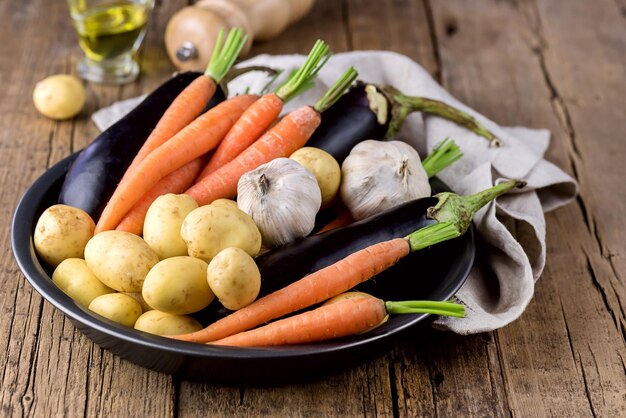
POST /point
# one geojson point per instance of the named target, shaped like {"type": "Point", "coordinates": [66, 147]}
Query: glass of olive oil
{"type": "Point", "coordinates": [109, 33]}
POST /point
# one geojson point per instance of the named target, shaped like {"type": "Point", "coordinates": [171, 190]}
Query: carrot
{"type": "Point", "coordinates": [343, 218]}
{"type": "Point", "coordinates": [258, 117]}
{"type": "Point", "coordinates": [196, 139]}
{"type": "Point", "coordinates": [192, 100]}
{"type": "Point", "coordinates": [288, 135]}
{"type": "Point", "coordinates": [314, 288]}
{"type": "Point", "coordinates": [175, 182]}
{"type": "Point", "coordinates": [345, 317]}
{"type": "Point", "coordinates": [453, 214]}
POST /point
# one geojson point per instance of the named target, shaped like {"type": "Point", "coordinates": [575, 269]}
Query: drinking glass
{"type": "Point", "coordinates": [109, 33]}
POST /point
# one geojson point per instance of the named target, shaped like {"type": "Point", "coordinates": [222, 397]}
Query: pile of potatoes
{"type": "Point", "coordinates": [188, 256]}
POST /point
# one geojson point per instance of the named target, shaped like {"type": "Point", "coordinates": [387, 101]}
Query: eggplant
{"type": "Point", "coordinates": [284, 265]}
{"type": "Point", "coordinates": [368, 111]}
{"type": "Point", "coordinates": [95, 173]}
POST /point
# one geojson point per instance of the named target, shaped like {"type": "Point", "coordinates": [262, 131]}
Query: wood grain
{"type": "Point", "coordinates": [547, 369]}
{"type": "Point", "coordinates": [546, 64]}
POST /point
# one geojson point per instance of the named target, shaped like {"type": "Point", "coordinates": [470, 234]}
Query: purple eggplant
{"type": "Point", "coordinates": [368, 111]}
{"type": "Point", "coordinates": [282, 266]}
{"type": "Point", "coordinates": [95, 173]}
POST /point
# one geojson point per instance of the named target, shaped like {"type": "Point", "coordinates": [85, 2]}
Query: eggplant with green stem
{"type": "Point", "coordinates": [368, 111]}
{"type": "Point", "coordinates": [424, 222]}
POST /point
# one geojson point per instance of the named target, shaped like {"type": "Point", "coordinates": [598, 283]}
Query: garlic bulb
{"type": "Point", "coordinates": [282, 197]}
{"type": "Point", "coordinates": [378, 175]}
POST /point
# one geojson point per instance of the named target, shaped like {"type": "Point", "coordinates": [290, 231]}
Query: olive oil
{"type": "Point", "coordinates": [108, 31]}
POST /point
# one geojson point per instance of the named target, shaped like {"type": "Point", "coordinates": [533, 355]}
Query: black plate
{"type": "Point", "coordinates": [446, 266]}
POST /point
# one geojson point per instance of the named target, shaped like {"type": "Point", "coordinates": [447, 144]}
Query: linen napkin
{"type": "Point", "coordinates": [512, 231]}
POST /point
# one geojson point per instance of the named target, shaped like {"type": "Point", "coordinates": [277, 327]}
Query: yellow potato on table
{"type": "Point", "coordinates": [62, 232]}
{"type": "Point", "coordinates": [234, 278]}
{"type": "Point", "coordinates": [161, 323]}
{"type": "Point", "coordinates": [117, 307]}
{"type": "Point", "coordinates": [178, 286]}
{"type": "Point", "coordinates": [75, 279]}
{"type": "Point", "coordinates": [120, 260]}
{"type": "Point", "coordinates": [59, 96]}
{"type": "Point", "coordinates": [324, 167]}
{"type": "Point", "coordinates": [161, 228]}
{"type": "Point", "coordinates": [211, 228]}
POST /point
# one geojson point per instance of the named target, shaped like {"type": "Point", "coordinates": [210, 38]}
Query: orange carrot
{"type": "Point", "coordinates": [254, 121]}
{"type": "Point", "coordinates": [258, 117]}
{"type": "Point", "coordinates": [282, 140]}
{"type": "Point", "coordinates": [176, 182]}
{"type": "Point", "coordinates": [346, 317]}
{"type": "Point", "coordinates": [453, 214]}
{"type": "Point", "coordinates": [342, 318]}
{"type": "Point", "coordinates": [314, 288]}
{"type": "Point", "coordinates": [196, 139]}
{"type": "Point", "coordinates": [343, 218]}
{"type": "Point", "coordinates": [192, 100]}
{"type": "Point", "coordinates": [288, 135]}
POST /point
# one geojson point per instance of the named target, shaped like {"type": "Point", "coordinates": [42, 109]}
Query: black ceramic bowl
{"type": "Point", "coordinates": [445, 268]}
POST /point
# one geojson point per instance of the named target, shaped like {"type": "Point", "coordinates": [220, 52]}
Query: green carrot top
{"type": "Point", "coordinates": [224, 57]}
{"type": "Point", "coordinates": [302, 78]}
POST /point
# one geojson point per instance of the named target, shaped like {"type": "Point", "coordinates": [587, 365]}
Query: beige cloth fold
{"type": "Point", "coordinates": [501, 283]}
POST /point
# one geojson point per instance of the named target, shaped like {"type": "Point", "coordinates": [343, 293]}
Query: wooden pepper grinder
{"type": "Point", "coordinates": [191, 33]}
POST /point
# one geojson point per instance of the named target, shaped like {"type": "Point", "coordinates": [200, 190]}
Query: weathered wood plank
{"type": "Point", "coordinates": [564, 356]}
{"type": "Point", "coordinates": [361, 391]}
{"type": "Point", "coordinates": [550, 355]}
{"type": "Point", "coordinates": [51, 366]}
{"type": "Point", "coordinates": [26, 140]}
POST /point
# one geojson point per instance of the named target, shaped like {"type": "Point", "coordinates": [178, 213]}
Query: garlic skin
{"type": "Point", "coordinates": [282, 197]}
{"type": "Point", "coordinates": [378, 175]}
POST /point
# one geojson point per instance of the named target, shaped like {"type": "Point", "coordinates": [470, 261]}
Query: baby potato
{"type": "Point", "coordinates": [211, 228]}
{"type": "Point", "coordinates": [161, 228]}
{"type": "Point", "coordinates": [117, 307]}
{"type": "Point", "coordinates": [139, 298]}
{"type": "Point", "coordinates": [161, 323]}
{"type": "Point", "coordinates": [325, 168]}
{"type": "Point", "coordinates": [178, 286]}
{"type": "Point", "coordinates": [59, 96]}
{"type": "Point", "coordinates": [75, 279]}
{"type": "Point", "coordinates": [225, 202]}
{"type": "Point", "coordinates": [62, 232]}
{"type": "Point", "coordinates": [120, 260]}
{"type": "Point", "coordinates": [234, 278]}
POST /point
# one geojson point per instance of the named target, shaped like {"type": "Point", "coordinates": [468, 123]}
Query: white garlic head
{"type": "Point", "coordinates": [282, 197]}
{"type": "Point", "coordinates": [378, 175]}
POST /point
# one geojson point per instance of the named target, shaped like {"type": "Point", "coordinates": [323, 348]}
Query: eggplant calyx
{"type": "Point", "coordinates": [379, 105]}
{"type": "Point", "coordinates": [460, 210]}
{"type": "Point", "coordinates": [402, 106]}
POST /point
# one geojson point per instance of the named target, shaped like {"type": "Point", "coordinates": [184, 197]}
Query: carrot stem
{"type": "Point", "coordinates": [318, 56]}
{"type": "Point", "coordinates": [224, 57]}
{"type": "Point", "coordinates": [426, 306]}
{"type": "Point", "coordinates": [337, 90]}
{"type": "Point", "coordinates": [443, 155]}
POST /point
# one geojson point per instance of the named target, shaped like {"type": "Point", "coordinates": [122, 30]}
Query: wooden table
{"type": "Point", "coordinates": [550, 64]}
